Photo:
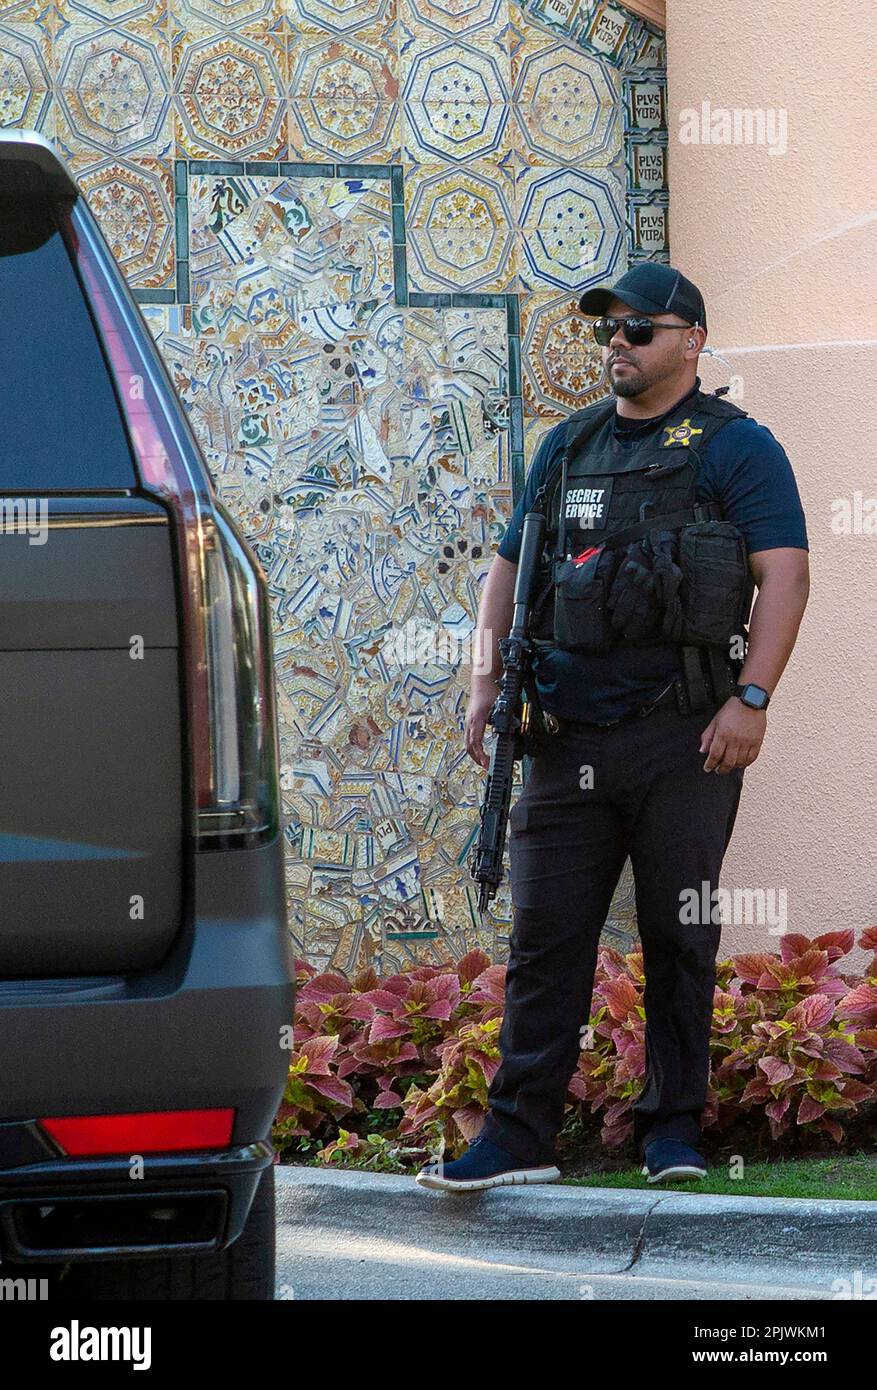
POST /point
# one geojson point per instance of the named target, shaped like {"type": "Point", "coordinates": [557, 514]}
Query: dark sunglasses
{"type": "Point", "coordinates": [637, 331]}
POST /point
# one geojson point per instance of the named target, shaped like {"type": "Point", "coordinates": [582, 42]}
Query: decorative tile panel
{"type": "Point", "coordinates": [25, 76]}
{"type": "Point", "coordinates": [344, 70]}
{"type": "Point", "coordinates": [134, 205]}
{"type": "Point", "coordinates": [113, 89]}
{"type": "Point", "coordinates": [567, 104]}
{"type": "Point", "coordinates": [461, 224]}
{"type": "Point", "coordinates": [457, 73]}
{"type": "Point", "coordinates": [227, 14]}
{"type": "Point", "coordinates": [455, 17]}
{"type": "Point", "coordinates": [573, 227]}
{"type": "Point", "coordinates": [359, 230]}
{"type": "Point", "coordinates": [342, 17]}
{"type": "Point", "coordinates": [228, 94]}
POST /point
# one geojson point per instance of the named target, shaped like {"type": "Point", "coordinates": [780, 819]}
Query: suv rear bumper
{"type": "Point", "coordinates": [206, 1029]}
{"type": "Point", "coordinates": [93, 1209]}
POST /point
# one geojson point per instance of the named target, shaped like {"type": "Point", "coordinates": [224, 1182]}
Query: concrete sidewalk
{"type": "Point", "coordinates": [778, 1247]}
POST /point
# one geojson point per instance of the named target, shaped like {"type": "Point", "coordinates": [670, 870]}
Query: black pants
{"type": "Point", "coordinates": [568, 843]}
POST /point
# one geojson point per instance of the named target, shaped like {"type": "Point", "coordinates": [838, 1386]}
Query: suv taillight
{"type": "Point", "coordinates": [226, 625]}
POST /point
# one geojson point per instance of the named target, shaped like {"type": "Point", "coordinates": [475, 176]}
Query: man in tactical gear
{"type": "Point", "coordinates": [666, 507]}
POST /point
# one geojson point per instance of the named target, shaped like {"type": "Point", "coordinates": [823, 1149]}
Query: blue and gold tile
{"type": "Point", "coordinates": [133, 203]}
{"type": "Point", "coordinates": [562, 364]}
{"type": "Point", "coordinates": [228, 94]}
{"type": "Point", "coordinates": [572, 227]}
{"type": "Point", "coordinates": [355, 68]}
{"type": "Point", "coordinates": [344, 131]}
{"type": "Point", "coordinates": [341, 18]}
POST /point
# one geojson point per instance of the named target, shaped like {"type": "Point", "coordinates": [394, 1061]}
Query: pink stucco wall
{"type": "Point", "coordinates": [784, 247]}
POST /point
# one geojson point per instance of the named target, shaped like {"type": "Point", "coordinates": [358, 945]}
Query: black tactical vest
{"type": "Point", "coordinates": [605, 499]}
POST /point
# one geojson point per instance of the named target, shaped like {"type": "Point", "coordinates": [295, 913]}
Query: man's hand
{"type": "Point", "coordinates": [481, 700]}
{"type": "Point", "coordinates": [733, 737]}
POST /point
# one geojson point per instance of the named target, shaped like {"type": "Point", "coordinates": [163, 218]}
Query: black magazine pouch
{"type": "Point", "coordinates": [581, 589]}
{"type": "Point", "coordinates": [715, 572]}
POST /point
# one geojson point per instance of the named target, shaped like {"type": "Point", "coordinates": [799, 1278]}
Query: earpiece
{"type": "Point", "coordinates": [691, 342]}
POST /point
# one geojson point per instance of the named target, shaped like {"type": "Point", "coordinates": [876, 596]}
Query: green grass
{"type": "Point", "coordinates": [847, 1178]}
{"type": "Point", "coordinates": [844, 1178]}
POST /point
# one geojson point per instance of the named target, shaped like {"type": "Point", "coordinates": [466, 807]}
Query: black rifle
{"type": "Point", "coordinates": [506, 716]}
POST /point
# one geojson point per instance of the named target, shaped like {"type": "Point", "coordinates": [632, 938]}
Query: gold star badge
{"type": "Point", "coordinates": [680, 434]}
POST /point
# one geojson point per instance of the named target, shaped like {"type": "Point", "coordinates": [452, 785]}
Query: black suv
{"type": "Point", "coordinates": [146, 985]}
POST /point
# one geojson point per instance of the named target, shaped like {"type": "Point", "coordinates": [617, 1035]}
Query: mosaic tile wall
{"type": "Point", "coordinates": [359, 229]}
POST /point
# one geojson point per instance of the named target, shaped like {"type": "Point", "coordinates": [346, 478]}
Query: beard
{"type": "Point", "coordinates": [631, 383]}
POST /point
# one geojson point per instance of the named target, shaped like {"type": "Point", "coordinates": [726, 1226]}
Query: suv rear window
{"type": "Point", "coordinates": [62, 431]}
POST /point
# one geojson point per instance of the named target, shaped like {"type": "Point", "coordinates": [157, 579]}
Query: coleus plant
{"type": "Point", "coordinates": [794, 1044]}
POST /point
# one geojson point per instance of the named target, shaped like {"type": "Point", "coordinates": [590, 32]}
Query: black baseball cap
{"type": "Point", "coordinates": [653, 288]}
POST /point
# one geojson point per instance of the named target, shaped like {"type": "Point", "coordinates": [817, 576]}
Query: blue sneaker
{"type": "Point", "coordinates": [484, 1164]}
{"type": "Point", "coordinates": [668, 1159]}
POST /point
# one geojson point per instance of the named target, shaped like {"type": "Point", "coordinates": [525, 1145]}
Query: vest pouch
{"type": "Point", "coordinates": [713, 560]}
{"type": "Point", "coordinates": [581, 614]}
